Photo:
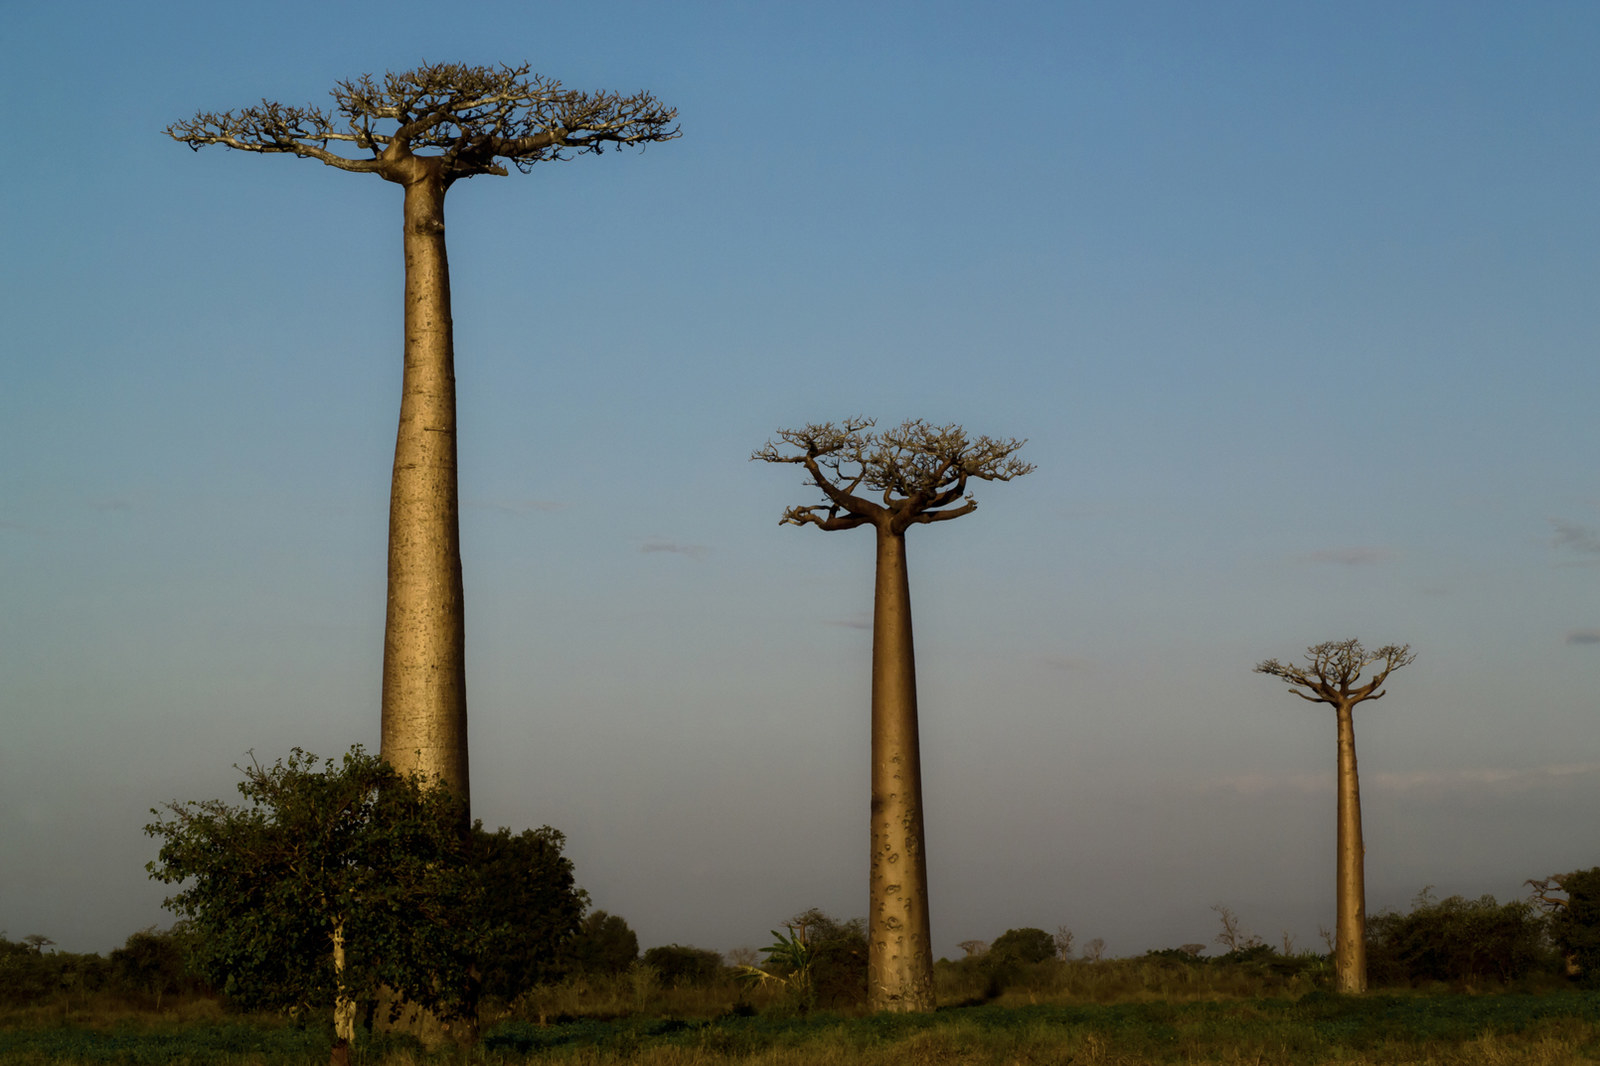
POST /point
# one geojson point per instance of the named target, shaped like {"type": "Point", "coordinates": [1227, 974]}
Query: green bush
{"type": "Point", "coordinates": [29, 974]}
{"type": "Point", "coordinates": [1574, 921]}
{"type": "Point", "coordinates": [1456, 940]}
{"type": "Point", "coordinates": [839, 958]}
{"type": "Point", "coordinates": [1026, 945]}
{"type": "Point", "coordinates": [530, 903]}
{"type": "Point", "coordinates": [676, 965]}
{"type": "Point", "coordinates": [603, 944]}
{"type": "Point", "coordinates": [156, 964]}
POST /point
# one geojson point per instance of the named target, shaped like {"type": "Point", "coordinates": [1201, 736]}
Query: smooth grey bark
{"type": "Point", "coordinates": [1350, 906]}
{"type": "Point", "coordinates": [464, 121]}
{"type": "Point", "coordinates": [899, 942]}
{"type": "Point", "coordinates": [424, 702]}
{"type": "Point", "coordinates": [1333, 676]}
{"type": "Point", "coordinates": [919, 473]}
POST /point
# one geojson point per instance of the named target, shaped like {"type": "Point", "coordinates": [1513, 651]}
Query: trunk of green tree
{"type": "Point", "coordinates": [344, 1008]}
{"type": "Point", "coordinates": [1350, 937]}
{"type": "Point", "coordinates": [899, 952]}
{"type": "Point", "coordinates": [424, 664]}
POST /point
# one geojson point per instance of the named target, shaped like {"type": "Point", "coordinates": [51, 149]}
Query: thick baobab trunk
{"type": "Point", "coordinates": [899, 952]}
{"type": "Point", "coordinates": [1350, 937]}
{"type": "Point", "coordinates": [424, 666]}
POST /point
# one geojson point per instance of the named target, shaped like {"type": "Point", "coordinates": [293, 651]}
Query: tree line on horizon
{"type": "Point", "coordinates": [1553, 935]}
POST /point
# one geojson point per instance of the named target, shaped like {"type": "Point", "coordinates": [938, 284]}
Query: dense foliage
{"type": "Point", "coordinates": [1456, 940]}
{"type": "Point", "coordinates": [149, 967]}
{"type": "Point", "coordinates": [1573, 902]}
{"type": "Point", "coordinates": [1024, 945]}
{"type": "Point", "coordinates": [529, 904]}
{"type": "Point", "coordinates": [333, 882]}
{"type": "Point", "coordinates": [603, 944]}
{"type": "Point", "coordinates": [352, 883]}
{"type": "Point", "coordinates": [838, 958]}
{"type": "Point", "coordinates": [676, 964]}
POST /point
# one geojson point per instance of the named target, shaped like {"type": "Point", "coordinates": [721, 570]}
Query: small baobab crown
{"type": "Point", "coordinates": [917, 472]}
{"type": "Point", "coordinates": [1333, 670]}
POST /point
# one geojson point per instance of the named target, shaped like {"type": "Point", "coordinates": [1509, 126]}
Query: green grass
{"type": "Point", "coordinates": [1450, 1029]}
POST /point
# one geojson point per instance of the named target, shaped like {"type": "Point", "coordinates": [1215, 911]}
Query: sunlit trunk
{"type": "Point", "coordinates": [900, 952]}
{"type": "Point", "coordinates": [344, 1008]}
{"type": "Point", "coordinates": [424, 663]}
{"type": "Point", "coordinates": [1350, 937]}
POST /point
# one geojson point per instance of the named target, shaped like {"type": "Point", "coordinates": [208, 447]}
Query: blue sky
{"type": "Point", "coordinates": [1293, 303]}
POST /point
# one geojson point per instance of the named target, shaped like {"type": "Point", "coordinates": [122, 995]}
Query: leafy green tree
{"type": "Point", "coordinates": [155, 964]}
{"type": "Point", "coordinates": [335, 880]}
{"type": "Point", "coordinates": [914, 474]}
{"type": "Point", "coordinates": [1572, 901]}
{"type": "Point", "coordinates": [1026, 945]}
{"type": "Point", "coordinates": [424, 130]}
{"type": "Point", "coordinates": [603, 944]}
{"type": "Point", "coordinates": [529, 902]}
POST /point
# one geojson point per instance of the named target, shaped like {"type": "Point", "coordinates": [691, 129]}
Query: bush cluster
{"type": "Point", "coordinates": [149, 967]}
{"type": "Point", "coordinates": [1458, 941]}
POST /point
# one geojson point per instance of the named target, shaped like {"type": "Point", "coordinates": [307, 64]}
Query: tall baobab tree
{"type": "Point", "coordinates": [425, 129]}
{"type": "Point", "coordinates": [916, 474]}
{"type": "Point", "coordinates": [1332, 675]}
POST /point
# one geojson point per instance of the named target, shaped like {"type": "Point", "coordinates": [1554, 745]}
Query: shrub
{"type": "Point", "coordinates": [1574, 920]}
{"type": "Point", "coordinates": [1026, 945]}
{"type": "Point", "coordinates": [838, 958]}
{"type": "Point", "coordinates": [677, 965]}
{"type": "Point", "coordinates": [155, 964]}
{"type": "Point", "coordinates": [1455, 940]}
{"type": "Point", "coordinates": [530, 903]}
{"type": "Point", "coordinates": [603, 944]}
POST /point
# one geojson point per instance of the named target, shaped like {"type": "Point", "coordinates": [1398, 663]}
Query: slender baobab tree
{"type": "Point", "coordinates": [1332, 675]}
{"type": "Point", "coordinates": [424, 129]}
{"type": "Point", "coordinates": [915, 474]}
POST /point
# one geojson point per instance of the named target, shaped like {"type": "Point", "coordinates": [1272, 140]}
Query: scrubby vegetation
{"type": "Point", "coordinates": [1464, 981]}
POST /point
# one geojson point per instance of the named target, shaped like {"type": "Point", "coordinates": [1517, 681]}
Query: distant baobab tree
{"type": "Point", "coordinates": [424, 129]}
{"type": "Point", "coordinates": [914, 474]}
{"type": "Point", "coordinates": [1332, 675]}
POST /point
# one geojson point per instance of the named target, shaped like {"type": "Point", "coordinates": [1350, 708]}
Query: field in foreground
{"type": "Point", "coordinates": [1442, 1029]}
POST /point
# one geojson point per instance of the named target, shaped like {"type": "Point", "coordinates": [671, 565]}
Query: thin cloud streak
{"type": "Point", "coordinates": [519, 506]}
{"type": "Point", "coordinates": [1584, 636]}
{"type": "Point", "coordinates": [1522, 778]}
{"type": "Point", "coordinates": [1576, 538]}
{"type": "Point", "coordinates": [672, 547]}
{"type": "Point", "coordinates": [1359, 556]}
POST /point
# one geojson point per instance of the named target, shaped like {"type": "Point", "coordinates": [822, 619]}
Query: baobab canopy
{"type": "Point", "coordinates": [466, 117]}
{"type": "Point", "coordinates": [919, 470]}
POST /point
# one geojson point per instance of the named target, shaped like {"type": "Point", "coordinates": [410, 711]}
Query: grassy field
{"type": "Point", "coordinates": [1503, 1029]}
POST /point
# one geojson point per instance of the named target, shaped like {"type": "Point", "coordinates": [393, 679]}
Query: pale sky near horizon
{"type": "Point", "coordinates": [1294, 303]}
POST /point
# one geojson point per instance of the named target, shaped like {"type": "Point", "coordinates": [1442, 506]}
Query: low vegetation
{"type": "Point", "coordinates": [1501, 997]}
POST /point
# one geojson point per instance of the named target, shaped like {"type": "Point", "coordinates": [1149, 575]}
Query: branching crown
{"type": "Point", "coordinates": [918, 471]}
{"type": "Point", "coordinates": [466, 118]}
{"type": "Point", "coordinates": [1333, 670]}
